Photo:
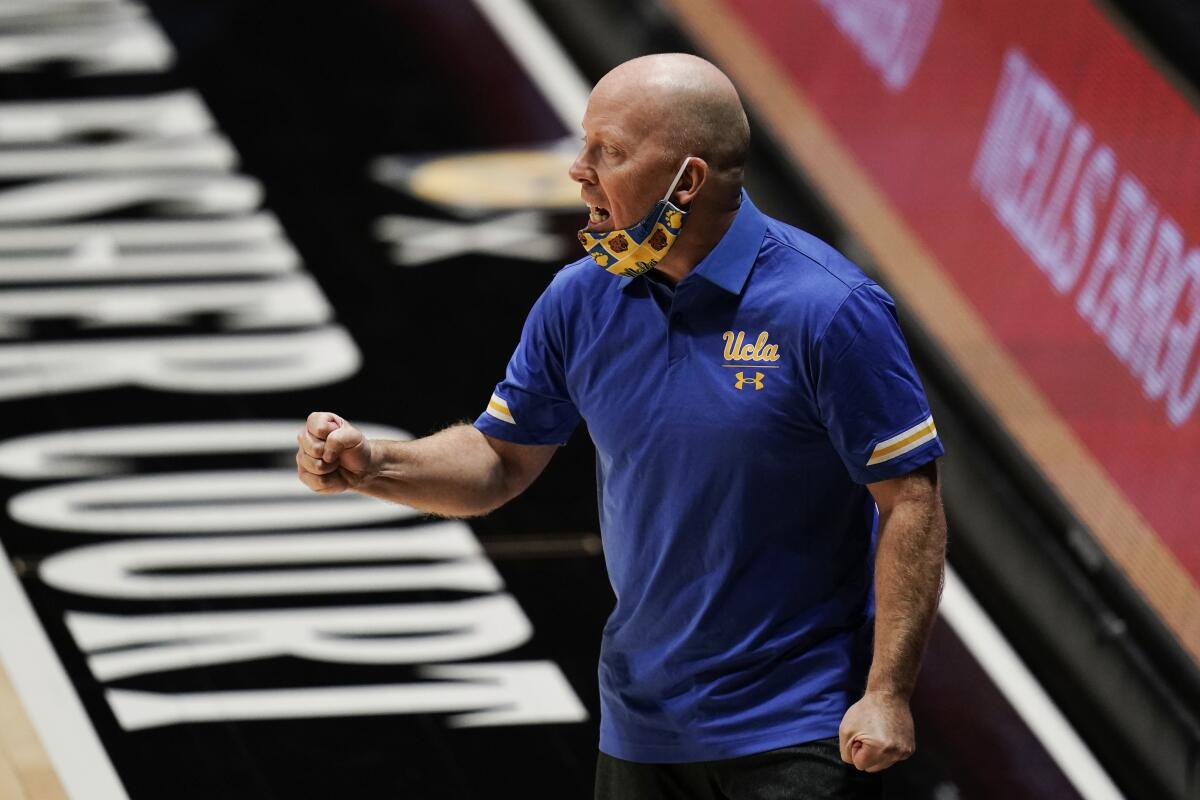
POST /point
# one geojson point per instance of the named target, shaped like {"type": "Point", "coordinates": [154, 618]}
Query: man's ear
{"type": "Point", "coordinates": [694, 176]}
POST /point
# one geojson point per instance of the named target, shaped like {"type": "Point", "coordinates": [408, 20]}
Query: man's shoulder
{"type": "Point", "coordinates": [812, 259]}
{"type": "Point", "coordinates": [807, 274]}
{"type": "Point", "coordinates": [580, 277]}
{"type": "Point", "coordinates": [577, 285]}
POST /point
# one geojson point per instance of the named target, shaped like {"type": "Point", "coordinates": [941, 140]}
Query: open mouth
{"type": "Point", "coordinates": [598, 219]}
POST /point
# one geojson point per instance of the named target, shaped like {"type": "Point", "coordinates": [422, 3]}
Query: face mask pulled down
{"type": "Point", "coordinates": [633, 251]}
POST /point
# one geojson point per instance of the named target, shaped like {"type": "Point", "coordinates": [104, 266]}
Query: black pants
{"type": "Point", "coordinates": [810, 771]}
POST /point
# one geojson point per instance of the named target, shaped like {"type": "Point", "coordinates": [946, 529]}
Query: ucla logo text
{"type": "Point", "coordinates": [742, 380]}
{"type": "Point", "coordinates": [737, 349]}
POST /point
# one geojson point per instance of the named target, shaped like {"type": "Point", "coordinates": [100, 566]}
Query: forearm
{"type": "Point", "coordinates": [453, 473]}
{"type": "Point", "coordinates": [909, 572]}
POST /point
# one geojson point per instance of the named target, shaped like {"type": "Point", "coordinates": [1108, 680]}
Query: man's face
{"type": "Point", "coordinates": [622, 167]}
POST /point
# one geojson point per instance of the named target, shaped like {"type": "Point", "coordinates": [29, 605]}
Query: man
{"type": "Point", "coordinates": [752, 403]}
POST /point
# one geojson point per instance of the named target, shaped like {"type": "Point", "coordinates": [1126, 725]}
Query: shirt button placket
{"type": "Point", "coordinates": [676, 334]}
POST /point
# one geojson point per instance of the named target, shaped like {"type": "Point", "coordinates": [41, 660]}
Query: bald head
{"type": "Point", "coordinates": [690, 107]}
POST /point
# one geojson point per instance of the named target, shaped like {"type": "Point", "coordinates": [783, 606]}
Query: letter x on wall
{"type": "Point", "coordinates": [520, 235]}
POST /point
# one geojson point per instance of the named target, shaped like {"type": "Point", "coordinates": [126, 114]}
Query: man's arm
{"type": "Point", "coordinates": [457, 472]}
{"type": "Point", "coordinates": [877, 731]}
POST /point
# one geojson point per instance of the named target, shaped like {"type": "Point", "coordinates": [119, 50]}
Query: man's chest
{"type": "Point", "coordinates": [723, 373]}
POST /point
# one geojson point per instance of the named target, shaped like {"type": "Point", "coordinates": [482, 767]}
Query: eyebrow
{"type": "Point", "coordinates": [607, 133]}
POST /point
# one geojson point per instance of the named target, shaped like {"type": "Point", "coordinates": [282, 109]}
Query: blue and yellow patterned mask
{"type": "Point", "coordinates": [633, 251]}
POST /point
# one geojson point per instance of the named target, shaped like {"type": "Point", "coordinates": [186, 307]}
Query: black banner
{"type": "Point", "coordinates": [214, 220]}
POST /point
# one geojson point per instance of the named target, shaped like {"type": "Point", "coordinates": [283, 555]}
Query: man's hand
{"type": "Point", "coordinates": [456, 472]}
{"type": "Point", "coordinates": [876, 732]}
{"type": "Point", "coordinates": [333, 456]}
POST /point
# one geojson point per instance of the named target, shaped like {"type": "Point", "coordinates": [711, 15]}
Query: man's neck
{"type": "Point", "coordinates": [701, 233]}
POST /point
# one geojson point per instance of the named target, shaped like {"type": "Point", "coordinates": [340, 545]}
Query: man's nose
{"type": "Point", "coordinates": [581, 171]}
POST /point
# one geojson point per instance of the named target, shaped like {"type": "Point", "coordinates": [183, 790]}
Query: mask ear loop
{"type": "Point", "coordinates": [678, 176]}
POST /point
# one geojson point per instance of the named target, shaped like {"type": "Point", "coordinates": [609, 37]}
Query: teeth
{"type": "Point", "coordinates": [594, 216]}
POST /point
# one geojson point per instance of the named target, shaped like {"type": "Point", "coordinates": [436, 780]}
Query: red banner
{"type": "Point", "coordinates": [1054, 175]}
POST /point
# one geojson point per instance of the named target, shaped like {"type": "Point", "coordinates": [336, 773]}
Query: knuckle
{"type": "Point", "coordinates": [313, 476]}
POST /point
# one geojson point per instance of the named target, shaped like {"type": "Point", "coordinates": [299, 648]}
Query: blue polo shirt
{"type": "Point", "coordinates": [736, 420]}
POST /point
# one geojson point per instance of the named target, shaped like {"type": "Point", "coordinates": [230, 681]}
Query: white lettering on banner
{"type": "Point", "coordinates": [204, 364]}
{"type": "Point", "coordinates": [142, 569]}
{"type": "Point", "coordinates": [1113, 278]}
{"type": "Point", "coordinates": [106, 251]}
{"type": "Point", "coordinates": [513, 693]}
{"type": "Point", "coordinates": [891, 34]}
{"type": "Point", "coordinates": [1182, 355]}
{"type": "Point", "coordinates": [182, 193]}
{"type": "Point", "coordinates": [102, 452]}
{"type": "Point", "coordinates": [1141, 293]}
{"type": "Point", "coordinates": [205, 152]}
{"type": "Point", "coordinates": [445, 556]}
{"type": "Point", "coordinates": [411, 633]}
{"type": "Point", "coordinates": [164, 132]}
{"type": "Point", "coordinates": [161, 176]}
{"type": "Point", "coordinates": [290, 301]}
{"type": "Point", "coordinates": [100, 37]}
{"type": "Point", "coordinates": [155, 116]}
{"type": "Point", "coordinates": [195, 502]}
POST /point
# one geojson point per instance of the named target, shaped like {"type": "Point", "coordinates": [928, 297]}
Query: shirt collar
{"type": "Point", "coordinates": [728, 264]}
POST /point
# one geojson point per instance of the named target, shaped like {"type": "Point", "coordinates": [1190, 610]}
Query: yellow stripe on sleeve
{"type": "Point", "coordinates": [903, 442]}
{"type": "Point", "coordinates": [498, 408]}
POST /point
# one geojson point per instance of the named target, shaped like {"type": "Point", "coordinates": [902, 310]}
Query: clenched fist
{"type": "Point", "coordinates": [334, 455]}
{"type": "Point", "coordinates": [876, 732]}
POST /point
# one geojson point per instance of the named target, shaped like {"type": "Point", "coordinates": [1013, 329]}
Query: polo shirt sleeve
{"type": "Point", "coordinates": [531, 405]}
{"type": "Point", "coordinates": [870, 398]}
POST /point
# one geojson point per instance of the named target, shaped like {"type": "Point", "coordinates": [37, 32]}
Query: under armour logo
{"type": "Point", "coordinates": [742, 380]}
